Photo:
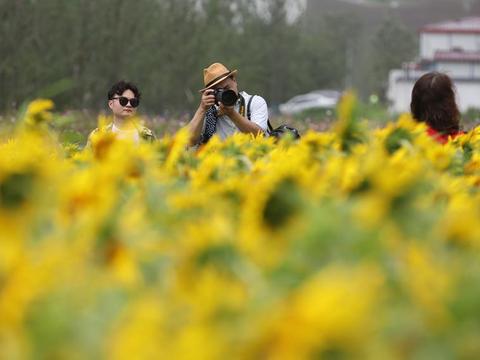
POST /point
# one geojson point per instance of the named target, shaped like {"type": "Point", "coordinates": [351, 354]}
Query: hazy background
{"type": "Point", "coordinates": [72, 51]}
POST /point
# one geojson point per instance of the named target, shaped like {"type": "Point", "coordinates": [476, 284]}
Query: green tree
{"type": "Point", "coordinates": [393, 45]}
{"type": "Point", "coordinates": [74, 50]}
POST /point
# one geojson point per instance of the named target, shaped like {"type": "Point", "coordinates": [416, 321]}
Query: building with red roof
{"type": "Point", "coordinates": [452, 47]}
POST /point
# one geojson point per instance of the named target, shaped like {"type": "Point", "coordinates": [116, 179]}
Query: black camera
{"type": "Point", "coordinates": [226, 97]}
{"type": "Point", "coordinates": [285, 130]}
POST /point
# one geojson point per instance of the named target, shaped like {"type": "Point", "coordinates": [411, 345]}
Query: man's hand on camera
{"type": "Point", "coordinates": [225, 110]}
{"type": "Point", "coordinates": [208, 99]}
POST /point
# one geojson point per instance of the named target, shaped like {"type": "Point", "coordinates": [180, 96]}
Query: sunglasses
{"type": "Point", "coordinates": [124, 101]}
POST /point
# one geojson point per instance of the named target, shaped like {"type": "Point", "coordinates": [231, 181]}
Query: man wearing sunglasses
{"type": "Point", "coordinates": [123, 100]}
{"type": "Point", "coordinates": [224, 110]}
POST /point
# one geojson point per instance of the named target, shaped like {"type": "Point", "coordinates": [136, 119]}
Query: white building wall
{"type": "Point", "coordinates": [476, 71]}
{"type": "Point", "coordinates": [468, 95]}
{"type": "Point", "coordinates": [457, 70]}
{"type": "Point", "coordinates": [399, 95]}
{"type": "Point", "coordinates": [467, 42]}
{"type": "Point", "coordinates": [432, 42]}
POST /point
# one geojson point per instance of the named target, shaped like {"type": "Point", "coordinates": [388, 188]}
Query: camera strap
{"type": "Point", "coordinates": [241, 111]}
{"type": "Point", "coordinates": [249, 113]}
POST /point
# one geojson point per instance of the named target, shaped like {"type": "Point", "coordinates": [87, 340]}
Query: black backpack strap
{"type": "Point", "coordinates": [249, 110]}
{"type": "Point", "coordinates": [249, 113]}
{"type": "Point", "coordinates": [270, 127]}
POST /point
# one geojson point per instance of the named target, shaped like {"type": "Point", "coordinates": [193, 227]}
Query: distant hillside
{"type": "Point", "coordinates": [367, 62]}
{"type": "Point", "coordinates": [413, 14]}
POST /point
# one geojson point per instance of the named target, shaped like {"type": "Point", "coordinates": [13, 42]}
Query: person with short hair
{"type": "Point", "coordinates": [433, 102]}
{"type": "Point", "coordinates": [123, 100]}
{"type": "Point", "coordinates": [224, 110]}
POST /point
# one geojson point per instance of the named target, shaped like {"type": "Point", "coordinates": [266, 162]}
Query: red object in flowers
{"type": "Point", "coordinates": [441, 137]}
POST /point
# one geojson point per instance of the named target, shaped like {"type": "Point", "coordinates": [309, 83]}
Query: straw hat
{"type": "Point", "coordinates": [215, 74]}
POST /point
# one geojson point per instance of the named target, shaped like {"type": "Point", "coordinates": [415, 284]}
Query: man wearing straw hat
{"type": "Point", "coordinates": [234, 112]}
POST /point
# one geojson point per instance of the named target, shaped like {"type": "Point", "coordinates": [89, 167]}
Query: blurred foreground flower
{"type": "Point", "coordinates": [38, 112]}
{"type": "Point", "coordinates": [344, 244]}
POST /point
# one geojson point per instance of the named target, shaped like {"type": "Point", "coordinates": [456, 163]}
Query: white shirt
{"type": "Point", "coordinates": [258, 111]}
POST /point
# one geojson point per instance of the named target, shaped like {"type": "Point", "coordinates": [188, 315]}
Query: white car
{"type": "Point", "coordinates": [320, 99]}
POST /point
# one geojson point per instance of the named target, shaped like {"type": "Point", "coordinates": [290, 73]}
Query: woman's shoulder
{"type": "Point", "coordinates": [442, 137]}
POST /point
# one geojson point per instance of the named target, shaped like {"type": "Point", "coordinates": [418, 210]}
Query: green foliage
{"type": "Point", "coordinates": [72, 51]}
{"type": "Point", "coordinates": [396, 138]}
{"type": "Point", "coordinates": [15, 189]}
{"type": "Point", "coordinates": [282, 205]}
{"type": "Point", "coordinates": [471, 118]}
{"type": "Point", "coordinates": [393, 44]}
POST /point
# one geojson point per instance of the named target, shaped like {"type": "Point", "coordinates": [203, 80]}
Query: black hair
{"type": "Point", "coordinates": [120, 87]}
{"type": "Point", "coordinates": [433, 102]}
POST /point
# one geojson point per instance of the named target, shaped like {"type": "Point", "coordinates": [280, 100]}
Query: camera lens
{"type": "Point", "coordinates": [229, 98]}
{"type": "Point", "coordinates": [226, 97]}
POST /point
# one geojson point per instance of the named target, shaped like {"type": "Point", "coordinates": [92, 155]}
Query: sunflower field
{"type": "Point", "coordinates": [355, 243]}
